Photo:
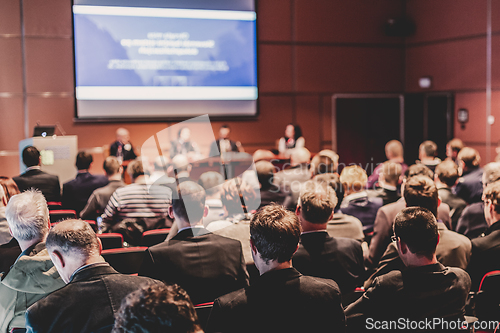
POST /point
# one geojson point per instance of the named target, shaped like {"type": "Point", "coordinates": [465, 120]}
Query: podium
{"type": "Point", "coordinates": [58, 155]}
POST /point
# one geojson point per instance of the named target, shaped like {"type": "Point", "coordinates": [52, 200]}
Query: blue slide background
{"type": "Point", "coordinates": [97, 40]}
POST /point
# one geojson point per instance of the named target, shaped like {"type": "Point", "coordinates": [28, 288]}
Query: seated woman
{"type": "Point", "coordinates": [293, 139]}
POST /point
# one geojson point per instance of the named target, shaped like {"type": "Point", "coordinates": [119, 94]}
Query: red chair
{"type": "Point", "coordinates": [111, 240]}
{"type": "Point", "coordinates": [203, 312]}
{"type": "Point", "coordinates": [153, 237]}
{"type": "Point", "coordinates": [125, 260]}
{"type": "Point", "coordinates": [53, 205]}
{"type": "Point", "coordinates": [486, 304]}
{"type": "Point", "coordinates": [61, 214]}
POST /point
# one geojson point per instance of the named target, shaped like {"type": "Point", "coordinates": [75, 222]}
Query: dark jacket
{"type": "Point", "coordinates": [48, 184]}
{"type": "Point", "coordinates": [126, 154]}
{"type": "Point", "coordinates": [388, 196]}
{"type": "Point", "coordinates": [86, 304]}
{"type": "Point", "coordinates": [364, 206]}
{"type": "Point", "coordinates": [204, 264]}
{"type": "Point", "coordinates": [470, 186]}
{"type": "Point", "coordinates": [215, 147]}
{"type": "Point", "coordinates": [472, 223]}
{"type": "Point", "coordinates": [77, 192]}
{"type": "Point", "coordinates": [456, 204]}
{"type": "Point", "coordinates": [280, 301]}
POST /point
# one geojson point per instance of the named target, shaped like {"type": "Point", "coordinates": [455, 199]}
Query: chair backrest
{"type": "Point", "coordinates": [111, 240]}
{"type": "Point", "coordinates": [54, 205]}
{"type": "Point", "coordinates": [155, 236]}
{"type": "Point", "coordinates": [487, 305]}
{"type": "Point", "coordinates": [17, 330]}
{"type": "Point", "coordinates": [61, 214]}
{"type": "Point", "coordinates": [125, 260]}
{"type": "Point", "coordinates": [203, 312]}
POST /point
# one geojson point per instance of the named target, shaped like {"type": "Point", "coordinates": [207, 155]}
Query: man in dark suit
{"type": "Point", "coordinates": [427, 154]}
{"type": "Point", "coordinates": [204, 264]}
{"type": "Point", "coordinates": [486, 248]}
{"type": "Point", "coordinates": [445, 177]}
{"type": "Point", "coordinates": [270, 192]}
{"type": "Point", "coordinates": [469, 186]}
{"type": "Point", "coordinates": [77, 192]}
{"type": "Point", "coordinates": [281, 299]}
{"type": "Point", "coordinates": [425, 290]}
{"type": "Point", "coordinates": [336, 258]}
{"type": "Point", "coordinates": [122, 149]}
{"type": "Point", "coordinates": [223, 144]}
{"type": "Point", "coordinates": [93, 289]}
{"type": "Point", "coordinates": [389, 180]}
{"type": "Point", "coordinates": [35, 178]}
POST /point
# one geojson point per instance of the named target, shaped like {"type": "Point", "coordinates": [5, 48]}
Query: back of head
{"type": "Point", "coordinates": [428, 148]}
{"type": "Point", "coordinates": [420, 191]}
{"type": "Point", "coordinates": [317, 201]}
{"type": "Point", "coordinates": [83, 160]}
{"type": "Point", "coordinates": [492, 192]}
{"type": "Point", "coordinates": [74, 239]}
{"type": "Point", "coordinates": [262, 155]}
{"type": "Point", "coordinates": [9, 187]}
{"type": "Point", "coordinates": [135, 169]}
{"type": "Point", "coordinates": [28, 216]}
{"type": "Point", "coordinates": [491, 173]}
{"type": "Point", "coordinates": [447, 172]}
{"type": "Point", "coordinates": [418, 169]}
{"type": "Point", "coordinates": [354, 178]}
{"type": "Point", "coordinates": [332, 180]}
{"type": "Point", "coordinates": [417, 227]}
{"type": "Point", "coordinates": [322, 164]}
{"type": "Point", "coordinates": [265, 173]}
{"type": "Point", "coordinates": [189, 204]}
{"type": "Point", "coordinates": [456, 145]}
{"type": "Point", "coordinates": [300, 156]}
{"type": "Point", "coordinates": [157, 308]}
{"type": "Point", "coordinates": [231, 196]}
{"type": "Point", "coordinates": [391, 172]}
{"type": "Point", "coordinates": [275, 232]}
{"type": "Point", "coordinates": [31, 156]}
{"type": "Point", "coordinates": [111, 165]}
{"type": "Point", "coordinates": [180, 163]}
{"type": "Point", "coordinates": [470, 157]}
{"type": "Point", "coordinates": [210, 182]}
{"type": "Point", "coordinates": [393, 149]}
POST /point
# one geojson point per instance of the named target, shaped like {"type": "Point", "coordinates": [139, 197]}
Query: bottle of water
{"type": "Point", "coordinates": [100, 225]}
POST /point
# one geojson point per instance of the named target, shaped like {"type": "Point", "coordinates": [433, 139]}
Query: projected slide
{"type": "Point", "coordinates": [130, 53]}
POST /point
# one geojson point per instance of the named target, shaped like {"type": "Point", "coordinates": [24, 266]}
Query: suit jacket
{"type": "Point", "coordinates": [127, 154]}
{"type": "Point", "coordinates": [470, 186]}
{"type": "Point", "coordinates": [48, 184]}
{"type": "Point", "coordinates": [99, 199]}
{"type": "Point", "coordinates": [87, 303]}
{"type": "Point", "coordinates": [456, 204]}
{"type": "Point", "coordinates": [485, 254]}
{"type": "Point", "coordinates": [290, 180]}
{"type": "Point", "coordinates": [431, 291]}
{"type": "Point", "coordinates": [388, 196]}
{"type": "Point", "coordinates": [339, 259]}
{"type": "Point", "coordinates": [280, 301]}
{"type": "Point", "coordinates": [215, 147]}
{"type": "Point", "coordinates": [472, 223]}
{"type": "Point", "coordinates": [77, 192]}
{"type": "Point", "coordinates": [382, 228]}
{"type": "Point", "coordinates": [202, 263]}
{"type": "Point", "coordinates": [342, 225]}
{"type": "Point", "coordinates": [364, 206]}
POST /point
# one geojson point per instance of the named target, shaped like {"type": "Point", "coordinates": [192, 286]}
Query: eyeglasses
{"type": "Point", "coordinates": [394, 238]}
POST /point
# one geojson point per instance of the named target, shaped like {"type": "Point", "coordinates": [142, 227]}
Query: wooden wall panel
{"type": "Point", "coordinates": [10, 17]}
{"type": "Point", "coordinates": [274, 20]}
{"type": "Point", "coordinates": [11, 70]}
{"type": "Point", "coordinates": [275, 68]}
{"type": "Point", "coordinates": [47, 18]}
{"type": "Point", "coordinates": [308, 116]}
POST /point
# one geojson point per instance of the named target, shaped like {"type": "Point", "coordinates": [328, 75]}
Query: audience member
{"type": "Point", "coordinates": [325, 162]}
{"type": "Point", "coordinates": [293, 139]}
{"type": "Point", "coordinates": [292, 178]}
{"type": "Point", "coordinates": [223, 144]}
{"type": "Point", "coordinates": [472, 223]}
{"type": "Point", "coordinates": [269, 192]}
{"type": "Point", "coordinates": [32, 276]}
{"type": "Point", "coordinates": [93, 289]}
{"type": "Point", "coordinates": [157, 308]}
{"type": "Point", "coordinates": [122, 149]}
{"type": "Point", "coordinates": [486, 247]}
{"type": "Point", "coordinates": [9, 247]}
{"type": "Point", "coordinates": [204, 264]}
{"type": "Point", "coordinates": [212, 182]}
{"type": "Point", "coordinates": [263, 155]}
{"type": "Point", "coordinates": [453, 147]}
{"type": "Point", "coordinates": [359, 202]}
{"type": "Point", "coordinates": [426, 289]}
{"type": "Point", "coordinates": [469, 186]}
{"type": "Point", "coordinates": [35, 178]}
{"type": "Point", "coordinates": [77, 192]}
{"type": "Point", "coordinates": [389, 180]}
{"type": "Point", "coordinates": [183, 145]}
{"type": "Point", "coordinates": [99, 198]}
{"type": "Point", "coordinates": [8, 188]}
{"type": "Point", "coordinates": [394, 153]}
{"type": "Point", "coordinates": [137, 201]}
{"type": "Point", "coordinates": [319, 254]}
{"type": "Point", "coordinates": [427, 154]}
{"type": "Point", "coordinates": [282, 299]}
{"type": "Point", "coordinates": [445, 177]}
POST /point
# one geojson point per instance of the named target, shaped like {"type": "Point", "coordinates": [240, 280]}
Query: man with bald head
{"type": "Point", "coordinates": [204, 264]}
{"type": "Point", "coordinates": [394, 153]}
{"type": "Point", "coordinates": [93, 289]}
{"type": "Point", "coordinates": [122, 148]}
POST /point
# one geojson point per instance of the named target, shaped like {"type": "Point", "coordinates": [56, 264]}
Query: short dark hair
{"type": "Point", "coordinates": [265, 174]}
{"type": "Point", "coordinates": [418, 169]}
{"type": "Point", "coordinates": [157, 307]}
{"type": "Point", "coordinates": [135, 169]}
{"type": "Point", "coordinates": [429, 148]}
{"type": "Point", "coordinates": [447, 172]}
{"type": "Point", "coordinates": [211, 181]}
{"type": "Point", "coordinates": [31, 156]}
{"type": "Point", "coordinates": [72, 236]}
{"type": "Point", "coordinates": [83, 160]}
{"type": "Point", "coordinates": [189, 201]}
{"type": "Point", "coordinates": [111, 165]}
{"type": "Point", "coordinates": [275, 232]}
{"type": "Point", "coordinates": [317, 201]}
{"type": "Point", "coordinates": [231, 199]}
{"type": "Point", "coordinates": [421, 191]}
{"type": "Point", "coordinates": [225, 126]}
{"type": "Point", "coordinates": [332, 180]}
{"type": "Point", "coordinates": [417, 228]}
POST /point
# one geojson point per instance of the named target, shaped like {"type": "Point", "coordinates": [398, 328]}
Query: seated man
{"type": "Point", "coordinates": [453, 147]}
{"type": "Point", "coordinates": [156, 308]}
{"type": "Point", "coordinates": [394, 153]}
{"type": "Point", "coordinates": [204, 264]}
{"type": "Point", "coordinates": [469, 185]}
{"type": "Point", "coordinates": [33, 275]}
{"type": "Point", "coordinates": [35, 178]}
{"type": "Point", "coordinates": [93, 289]}
{"type": "Point", "coordinates": [223, 144]}
{"type": "Point", "coordinates": [427, 153]}
{"type": "Point", "coordinates": [424, 290]}
{"type": "Point", "coordinates": [486, 247]}
{"type": "Point", "coordinates": [445, 177]}
{"type": "Point", "coordinates": [358, 202]}
{"type": "Point", "coordinates": [212, 181]}
{"type": "Point", "coordinates": [336, 258]}
{"type": "Point", "coordinates": [282, 299]}
{"type": "Point", "coordinates": [100, 197]}
{"type": "Point", "coordinates": [270, 192]}
{"type": "Point", "coordinates": [77, 192]}
{"type": "Point", "coordinates": [389, 180]}
{"type": "Point", "coordinates": [122, 148]}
